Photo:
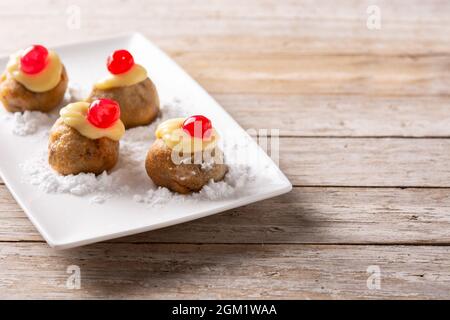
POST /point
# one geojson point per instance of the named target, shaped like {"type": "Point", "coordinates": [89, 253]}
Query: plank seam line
{"type": "Point", "coordinates": [399, 137]}
{"type": "Point", "coordinates": [406, 244]}
{"type": "Point", "coordinates": [318, 94]}
{"type": "Point", "coordinates": [241, 18]}
{"type": "Point", "coordinates": [299, 186]}
{"type": "Point", "coordinates": [368, 187]}
{"type": "Point", "coordinates": [314, 54]}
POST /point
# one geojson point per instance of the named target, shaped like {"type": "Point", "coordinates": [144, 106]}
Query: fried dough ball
{"type": "Point", "coordinates": [69, 152]}
{"type": "Point", "coordinates": [139, 103]}
{"type": "Point", "coordinates": [181, 178]}
{"type": "Point", "coordinates": [17, 98]}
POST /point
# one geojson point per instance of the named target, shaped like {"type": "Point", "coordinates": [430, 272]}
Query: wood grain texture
{"type": "Point", "coordinates": [320, 74]}
{"type": "Point", "coordinates": [421, 27]}
{"type": "Point", "coordinates": [274, 73]}
{"type": "Point", "coordinates": [367, 162]}
{"type": "Point", "coordinates": [340, 115]}
{"type": "Point", "coordinates": [306, 215]}
{"type": "Point", "coordinates": [366, 110]}
{"type": "Point", "coordinates": [291, 71]}
{"type": "Point", "coordinates": [224, 271]}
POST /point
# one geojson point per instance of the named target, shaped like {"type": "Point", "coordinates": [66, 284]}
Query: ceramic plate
{"type": "Point", "coordinates": [67, 220]}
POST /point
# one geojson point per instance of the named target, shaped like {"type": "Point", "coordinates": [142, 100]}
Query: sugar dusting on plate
{"type": "Point", "coordinates": [29, 122]}
{"type": "Point", "coordinates": [34, 122]}
{"type": "Point", "coordinates": [128, 178]}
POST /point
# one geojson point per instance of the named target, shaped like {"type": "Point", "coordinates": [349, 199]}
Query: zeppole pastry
{"type": "Point", "coordinates": [86, 138]}
{"type": "Point", "coordinates": [128, 84]}
{"type": "Point", "coordinates": [185, 155]}
{"type": "Point", "coordinates": [35, 79]}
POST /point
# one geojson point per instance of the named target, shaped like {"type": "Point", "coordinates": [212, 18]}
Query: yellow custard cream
{"type": "Point", "coordinates": [173, 135]}
{"type": "Point", "coordinates": [43, 81]}
{"type": "Point", "coordinates": [75, 116]}
{"type": "Point", "coordinates": [136, 74]}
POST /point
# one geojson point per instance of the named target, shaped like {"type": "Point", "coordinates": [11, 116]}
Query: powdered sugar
{"type": "Point", "coordinates": [157, 197]}
{"type": "Point", "coordinates": [34, 122]}
{"type": "Point", "coordinates": [235, 180]}
{"type": "Point", "coordinates": [129, 178]}
{"type": "Point", "coordinates": [30, 122]}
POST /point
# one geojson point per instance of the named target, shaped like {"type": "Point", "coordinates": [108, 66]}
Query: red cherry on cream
{"type": "Point", "coordinates": [34, 59]}
{"type": "Point", "coordinates": [120, 61]}
{"type": "Point", "coordinates": [198, 126]}
{"type": "Point", "coordinates": [103, 113]}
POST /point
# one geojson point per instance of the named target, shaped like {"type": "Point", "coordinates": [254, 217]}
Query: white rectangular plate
{"type": "Point", "coordinates": [66, 220]}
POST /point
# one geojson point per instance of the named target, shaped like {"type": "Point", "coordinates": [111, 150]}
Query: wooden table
{"type": "Point", "coordinates": [365, 125]}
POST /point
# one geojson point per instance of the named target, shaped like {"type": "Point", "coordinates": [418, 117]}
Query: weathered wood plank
{"type": "Point", "coordinates": [282, 51]}
{"type": "Point", "coordinates": [402, 10]}
{"type": "Point", "coordinates": [309, 26]}
{"type": "Point", "coordinates": [306, 215]}
{"type": "Point", "coordinates": [179, 44]}
{"type": "Point", "coordinates": [224, 72]}
{"type": "Point", "coordinates": [253, 26]}
{"type": "Point", "coordinates": [275, 73]}
{"type": "Point", "coordinates": [368, 162]}
{"type": "Point", "coordinates": [340, 115]}
{"type": "Point", "coordinates": [224, 271]}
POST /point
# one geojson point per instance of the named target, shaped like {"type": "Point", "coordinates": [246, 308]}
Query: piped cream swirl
{"type": "Point", "coordinates": [75, 116]}
{"type": "Point", "coordinates": [173, 135]}
{"type": "Point", "coordinates": [43, 81]}
{"type": "Point", "coordinates": [136, 74]}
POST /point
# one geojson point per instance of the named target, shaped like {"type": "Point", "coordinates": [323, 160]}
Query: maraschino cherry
{"type": "Point", "coordinates": [198, 126]}
{"type": "Point", "coordinates": [34, 59]}
{"type": "Point", "coordinates": [120, 61]}
{"type": "Point", "coordinates": [103, 113]}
